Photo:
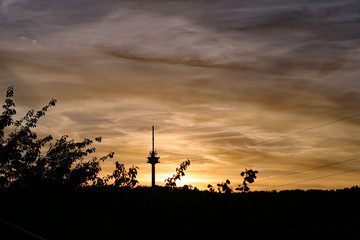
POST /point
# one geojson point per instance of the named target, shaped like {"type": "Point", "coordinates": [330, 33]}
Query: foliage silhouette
{"type": "Point", "coordinates": [187, 187]}
{"type": "Point", "coordinates": [121, 177]}
{"type": "Point", "coordinates": [249, 177]}
{"type": "Point", "coordinates": [211, 188]}
{"type": "Point", "coordinates": [180, 172]}
{"type": "Point", "coordinates": [22, 163]}
{"type": "Point", "coordinates": [225, 187]}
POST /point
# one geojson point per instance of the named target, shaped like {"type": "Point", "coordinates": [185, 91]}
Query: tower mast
{"type": "Point", "coordinates": [152, 159]}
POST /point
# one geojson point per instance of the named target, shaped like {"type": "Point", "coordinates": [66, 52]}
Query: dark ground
{"type": "Point", "coordinates": [126, 213]}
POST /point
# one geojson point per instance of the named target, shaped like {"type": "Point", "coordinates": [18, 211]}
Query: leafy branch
{"type": "Point", "coordinates": [180, 172]}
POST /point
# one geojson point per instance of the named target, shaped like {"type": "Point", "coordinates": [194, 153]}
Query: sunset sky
{"type": "Point", "coordinates": [216, 78]}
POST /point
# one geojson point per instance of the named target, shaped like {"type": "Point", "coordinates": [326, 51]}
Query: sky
{"type": "Point", "coordinates": [222, 81]}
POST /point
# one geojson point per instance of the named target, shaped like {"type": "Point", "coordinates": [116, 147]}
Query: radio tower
{"type": "Point", "coordinates": [152, 159]}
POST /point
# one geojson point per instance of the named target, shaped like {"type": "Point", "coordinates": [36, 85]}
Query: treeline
{"type": "Point", "coordinates": [113, 213]}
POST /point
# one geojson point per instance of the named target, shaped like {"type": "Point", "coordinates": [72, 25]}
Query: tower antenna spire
{"type": "Point", "coordinates": [153, 140]}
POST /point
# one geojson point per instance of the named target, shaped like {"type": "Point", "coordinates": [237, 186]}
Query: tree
{"type": "Point", "coordinates": [23, 163]}
{"type": "Point", "coordinates": [180, 172]}
{"type": "Point", "coordinates": [249, 177]}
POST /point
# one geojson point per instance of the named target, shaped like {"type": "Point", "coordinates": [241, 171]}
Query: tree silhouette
{"type": "Point", "coordinates": [180, 172]}
{"type": "Point", "coordinates": [249, 177]}
{"type": "Point", "coordinates": [22, 163]}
